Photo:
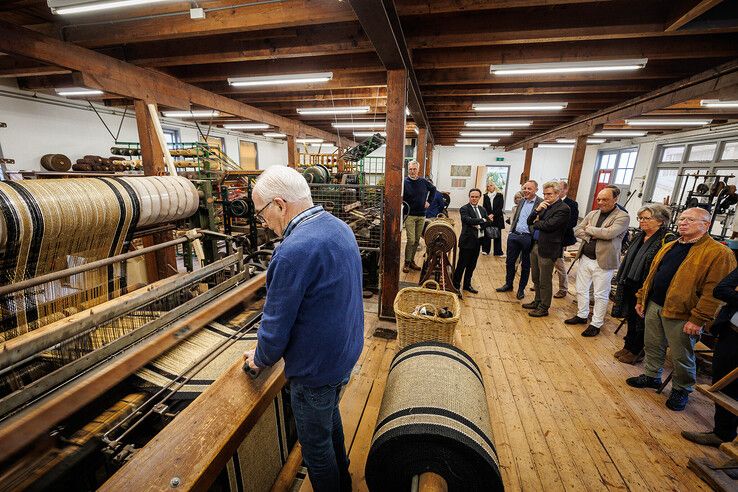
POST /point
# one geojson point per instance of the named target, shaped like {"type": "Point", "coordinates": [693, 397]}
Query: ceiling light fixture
{"type": "Point", "coordinates": [498, 124]}
{"type": "Point", "coordinates": [619, 133]}
{"type": "Point", "coordinates": [657, 122]}
{"type": "Point", "coordinates": [75, 91]}
{"type": "Point", "coordinates": [246, 126]}
{"type": "Point", "coordinates": [568, 67]}
{"type": "Point", "coordinates": [336, 110]}
{"type": "Point", "coordinates": [65, 7]}
{"type": "Point", "coordinates": [274, 135]}
{"type": "Point", "coordinates": [555, 146]}
{"type": "Point", "coordinates": [479, 146]}
{"type": "Point", "coordinates": [191, 114]}
{"type": "Point", "coordinates": [572, 140]}
{"type": "Point", "coordinates": [309, 140]}
{"type": "Point", "coordinates": [369, 134]}
{"type": "Point", "coordinates": [553, 106]}
{"type": "Point", "coordinates": [717, 103]}
{"type": "Point", "coordinates": [295, 78]}
{"type": "Point", "coordinates": [360, 124]}
{"type": "Point", "coordinates": [485, 134]}
{"type": "Point", "coordinates": [407, 111]}
{"type": "Point", "coordinates": [477, 140]}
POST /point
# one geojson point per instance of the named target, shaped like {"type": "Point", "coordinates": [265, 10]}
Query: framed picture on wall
{"type": "Point", "coordinates": [458, 183]}
{"type": "Point", "coordinates": [461, 171]}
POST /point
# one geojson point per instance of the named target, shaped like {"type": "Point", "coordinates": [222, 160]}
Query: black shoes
{"type": "Point", "coordinates": [538, 312]}
{"type": "Point", "coordinates": [703, 438]}
{"type": "Point", "coordinates": [504, 288]}
{"type": "Point", "coordinates": [591, 331]}
{"type": "Point", "coordinates": [520, 294]}
{"type": "Point", "coordinates": [678, 400]}
{"type": "Point", "coordinates": [576, 320]}
{"type": "Point", "coordinates": [644, 381]}
{"type": "Point", "coordinates": [471, 289]}
{"type": "Point", "coordinates": [530, 305]}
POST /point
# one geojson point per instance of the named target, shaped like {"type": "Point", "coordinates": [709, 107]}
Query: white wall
{"type": "Point", "coordinates": [49, 125]}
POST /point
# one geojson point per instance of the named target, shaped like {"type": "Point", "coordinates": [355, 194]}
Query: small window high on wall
{"type": "Point", "coordinates": [614, 167]}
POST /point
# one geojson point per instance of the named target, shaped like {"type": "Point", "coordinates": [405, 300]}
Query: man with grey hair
{"type": "Point", "coordinates": [569, 240]}
{"type": "Point", "coordinates": [677, 302]}
{"type": "Point", "coordinates": [313, 317]}
{"type": "Point", "coordinates": [417, 192]}
{"type": "Point", "coordinates": [547, 221]}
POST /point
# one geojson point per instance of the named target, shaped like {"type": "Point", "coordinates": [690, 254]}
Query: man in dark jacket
{"type": "Point", "coordinates": [417, 192]}
{"type": "Point", "coordinates": [547, 221]}
{"type": "Point", "coordinates": [569, 240]}
{"type": "Point", "coordinates": [724, 361]}
{"type": "Point", "coordinates": [494, 203]}
{"type": "Point", "coordinates": [473, 221]}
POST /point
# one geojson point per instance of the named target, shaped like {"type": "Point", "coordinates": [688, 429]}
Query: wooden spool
{"type": "Point", "coordinates": [56, 162]}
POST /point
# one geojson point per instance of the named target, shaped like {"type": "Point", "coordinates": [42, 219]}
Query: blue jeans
{"type": "Point", "coordinates": [518, 245]}
{"type": "Point", "coordinates": [320, 432]}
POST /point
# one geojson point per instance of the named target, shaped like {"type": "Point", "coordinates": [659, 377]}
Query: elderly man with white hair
{"type": "Point", "coordinates": [677, 302]}
{"type": "Point", "coordinates": [417, 192]}
{"type": "Point", "coordinates": [313, 317]}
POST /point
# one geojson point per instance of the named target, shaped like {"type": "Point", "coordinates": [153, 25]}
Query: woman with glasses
{"type": "Point", "coordinates": [653, 234]}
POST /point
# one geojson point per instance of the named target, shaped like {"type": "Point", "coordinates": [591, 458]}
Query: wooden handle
{"type": "Point", "coordinates": [431, 482]}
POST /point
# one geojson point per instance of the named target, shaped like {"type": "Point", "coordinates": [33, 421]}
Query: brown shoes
{"type": "Point", "coordinates": [413, 266]}
{"type": "Point", "coordinates": [560, 294]}
{"type": "Point", "coordinates": [620, 352]}
{"type": "Point", "coordinates": [406, 267]}
{"type": "Point", "coordinates": [630, 358]}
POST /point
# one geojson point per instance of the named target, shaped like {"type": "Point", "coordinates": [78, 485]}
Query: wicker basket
{"type": "Point", "coordinates": [413, 328]}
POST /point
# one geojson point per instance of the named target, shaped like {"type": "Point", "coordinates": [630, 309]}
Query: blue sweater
{"type": "Point", "coordinates": [415, 192]}
{"type": "Point", "coordinates": [314, 312]}
{"type": "Point", "coordinates": [436, 206]}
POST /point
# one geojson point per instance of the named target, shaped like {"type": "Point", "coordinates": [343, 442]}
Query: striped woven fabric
{"type": "Point", "coordinates": [434, 417]}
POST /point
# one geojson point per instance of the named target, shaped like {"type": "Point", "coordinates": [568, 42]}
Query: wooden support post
{"type": "Point", "coordinates": [162, 263]}
{"type": "Point", "coordinates": [575, 169]}
{"type": "Point", "coordinates": [525, 175]}
{"type": "Point", "coordinates": [292, 157]}
{"type": "Point", "coordinates": [421, 147]}
{"type": "Point", "coordinates": [393, 164]}
{"type": "Point", "coordinates": [429, 159]}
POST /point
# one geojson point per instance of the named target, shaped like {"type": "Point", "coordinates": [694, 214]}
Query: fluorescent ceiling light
{"type": "Point", "coordinates": [485, 134]}
{"type": "Point", "coordinates": [477, 140]}
{"type": "Point", "coordinates": [553, 106]}
{"type": "Point", "coordinates": [471, 145]}
{"type": "Point", "coordinates": [717, 103]}
{"type": "Point", "coordinates": [657, 122]}
{"type": "Point", "coordinates": [568, 67]}
{"type": "Point", "coordinates": [82, 7]}
{"type": "Point", "coordinates": [75, 91]}
{"type": "Point", "coordinates": [407, 111]}
{"type": "Point", "coordinates": [498, 124]}
{"type": "Point", "coordinates": [417, 132]}
{"type": "Point", "coordinates": [324, 145]}
{"type": "Point", "coordinates": [369, 134]}
{"type": "Point", "coordinates": [555, 146]}
{"type": "Point", "coordinates": [274, 135]}
{"type": "Point", "coordinates": [336, 110]}
{"type": "Point", "coordinates": [294, 78]}
{"type": "Point", "coordinates": [246, 126]}
{"type": "Point", "coordinates": [309, 140]}
{"type": "Point", "coordinates": [360, 124]}
{"type": "Point", "coordinates": [191, 114]}
{"type": "Point", "coordinates": [619, 133]}
{"type": "Point", "coordinates": [572, 140]}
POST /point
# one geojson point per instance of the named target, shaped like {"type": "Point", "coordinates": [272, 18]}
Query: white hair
{"type": "Point", "coordinates": [283, 182]}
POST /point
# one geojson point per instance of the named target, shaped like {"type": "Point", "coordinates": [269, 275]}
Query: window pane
{"type": "Point", "coordinates": [664, 186]}
{"type": "Point", "coordinates": [702, 153]}
{"type": "Point", "coordinates": [628, 176]}
{"type": "Point", "coordinates": [727, 172]}
{"type": "Point", "coordinates": [608, 161]}
{"type": "Point", "coordinates": [690, 180]}
{"type": "Point", "coordinates": [620, 177]}
{"type": "Point", "coordinates": [730, 151]}
{"type": "Point", "coordinates": [632, 160]}
{"type": "Point", "coordinates": [672, 154]}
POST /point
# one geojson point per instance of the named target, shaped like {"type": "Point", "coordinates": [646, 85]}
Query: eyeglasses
{"type": "Point", "coordinates": [643, 219]}
{"type": "Point", "coordinates": [260, 217]}
{"type": "Point", "coordinates": [690, 220]}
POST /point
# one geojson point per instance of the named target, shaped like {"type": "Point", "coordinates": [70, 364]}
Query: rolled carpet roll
{"type": "Point", "coordinates": [434, 418]}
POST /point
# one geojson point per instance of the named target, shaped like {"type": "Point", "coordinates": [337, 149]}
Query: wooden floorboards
{"type": "Point", "coordinates": [562, 416]}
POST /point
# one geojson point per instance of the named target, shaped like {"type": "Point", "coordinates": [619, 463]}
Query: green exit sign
{"type": "Point", "coordinates": [500, 159]}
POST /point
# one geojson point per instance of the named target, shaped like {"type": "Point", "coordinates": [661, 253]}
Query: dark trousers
{"type": "Point", "coordinates": [518, 245]}
{"type": "Point", "coordinates": [636, 329]}
{"type": "Point", "coordinates": [724, 361]}
{"type": "Point", "coordinates": [487, 243]}
{"type": "Point", "coordinates": [320, 432]}
{"type": "Point", "coordinates": [465, 265]}
{"type": "Point", "coordinates": [542, 277]}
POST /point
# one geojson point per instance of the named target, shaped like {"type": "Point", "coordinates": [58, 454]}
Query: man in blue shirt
{"type": "Point", "coordinates": [520, 240]}
{"type": "Point", "coordinates": [313, 317]}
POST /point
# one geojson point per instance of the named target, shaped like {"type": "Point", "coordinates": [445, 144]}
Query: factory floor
{"type": "Point", "coordinates": [562, 415]}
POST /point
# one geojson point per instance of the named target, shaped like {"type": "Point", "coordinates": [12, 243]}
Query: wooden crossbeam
{"type": "Point", "coordinates": [420, 7]}
{"type": "Point", "coordinates": [685, 11]}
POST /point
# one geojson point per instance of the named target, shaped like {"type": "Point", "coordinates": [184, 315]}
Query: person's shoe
{"type": "Point", "coordinates": [502, 255]}
{"type": "Point", "coordinates": [704, 438]}
{"type": "Point", "coordinates": [533, 289]}
{"type": "Point", "coordinates": [504, 288]}
{"type": "Point", "coordinates": [677, 400]}
{"type": "Point", "coordinates": [621, 352]}
{"type": "Point", "coordinates": [576, 320]}
{"type": "Point", "coordinates": [413, 266]}
{"type": "Point", "coordinates": [630, 358]}
{"type": "Point", "coordinates": [530, 305]}
{"type": "Point", "coordinates": [560, 294]}
{"type": "Point", "coordinates": [520, 294]}
{"type": "Point", "coordinates": [538, 312]}
{"type": "Point", "coordinates": [485, 254]}
{"type": "Point", "coordinates": [406, 267]}
{"type": "Point", "coordinates": [591, 331]}
{"type": "Point", "coordinates": [471, 289]}
{"type": "Point", "coordinates": [644, 381]}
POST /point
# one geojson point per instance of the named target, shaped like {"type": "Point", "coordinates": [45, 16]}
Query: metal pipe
{"type": "Point", "coordinates": [50, 277]}
{"type": "Point", "coordinates": [153, 230]}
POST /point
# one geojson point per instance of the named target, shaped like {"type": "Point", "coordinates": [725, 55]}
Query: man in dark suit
{"type": "Point", "coordinates": [548, 223]}
{"type": "Point", "coordinates": [569, 240]}
{"type": "Point", "coordinates": [473, 221]}
{"type": "Point", "coordinates": [520, 239]}
{"type": "Point", "coordinates": [725, 360]}
{"type": "Point", "coordinates": [494, 204]}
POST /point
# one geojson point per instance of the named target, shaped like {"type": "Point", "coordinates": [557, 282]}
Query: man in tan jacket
{"type": "Point", "coordinates": [601, 232]}
{"type": "Point", "coordinates": [677, 301]}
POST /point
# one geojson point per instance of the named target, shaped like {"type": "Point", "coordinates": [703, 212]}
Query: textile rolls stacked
{"type": "Point", "coordinates": [434, 418]}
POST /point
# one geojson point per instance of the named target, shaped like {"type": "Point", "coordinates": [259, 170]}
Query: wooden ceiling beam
{"type": "Point", "coordinates": [685, 11]}
{"type": "Point", "coordinates": [345, 96]}
{"type": "Point", "coordinates": [106, 73]}
{"type": "Point", "coordinates": [481, 75]}
{"type": "Point", "coordinates": [539, 89]}
{"type": "Point", "coordinates": [423, 7]}
{"type": "Point", "coordinates": [720, 78]}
